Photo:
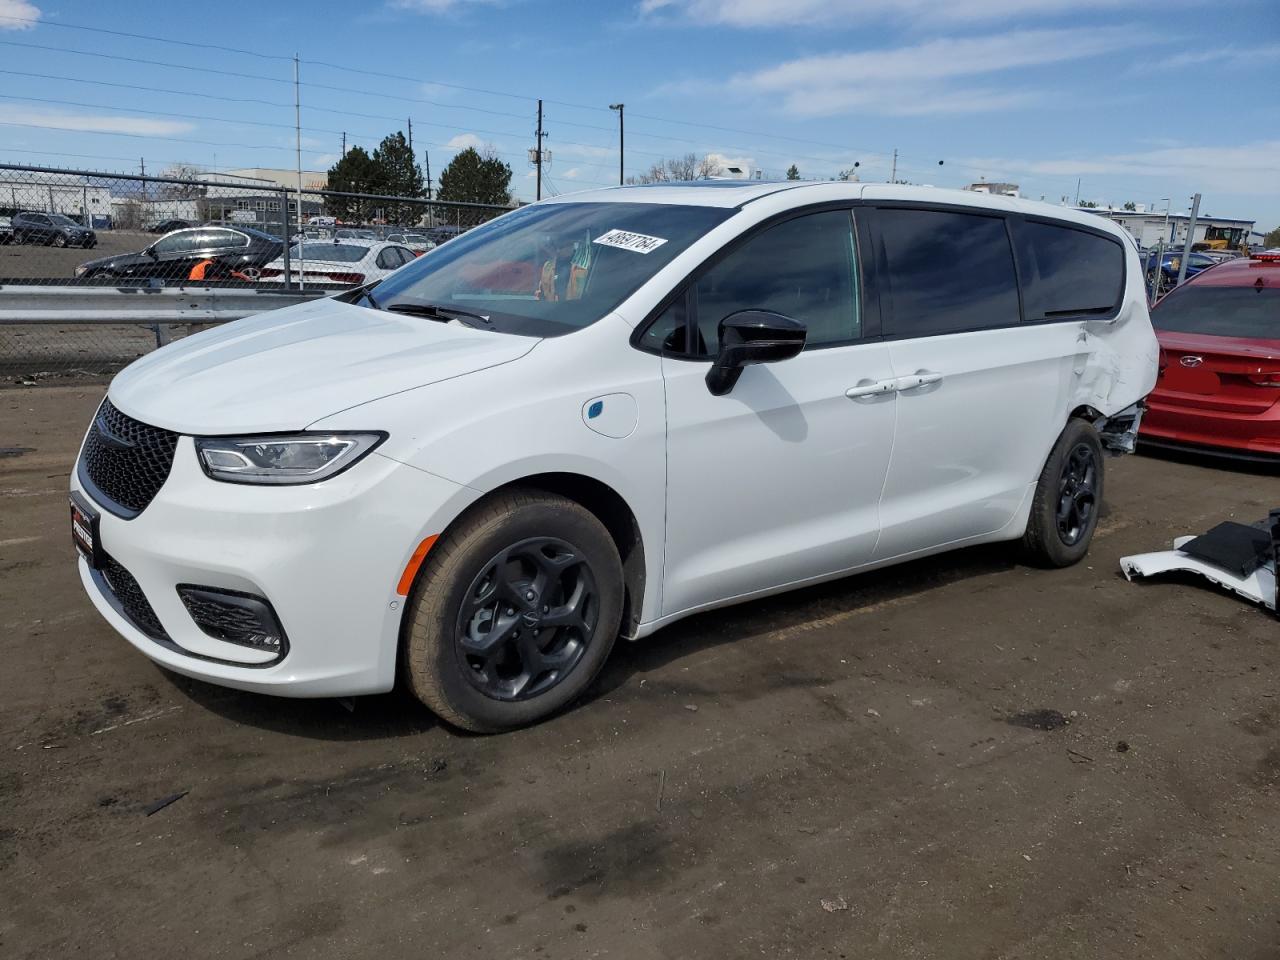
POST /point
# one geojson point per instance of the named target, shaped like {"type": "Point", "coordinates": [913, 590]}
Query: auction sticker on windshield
{"type": "Point", "coordinates": [626, 240]}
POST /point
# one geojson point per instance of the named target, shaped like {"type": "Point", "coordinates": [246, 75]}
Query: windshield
{"type": "Point", "coordinates": [1249, 312]}
{"type": "Point", "coordinates": [61, 221]}
{"type": "Point", "coordinates": [331, 252]}
{"type": "Point", "coordinates": [549, 269]}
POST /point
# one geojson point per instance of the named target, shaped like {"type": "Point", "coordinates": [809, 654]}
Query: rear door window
{"type": "Point", "coordinates": [1068, 272]}
{"type": "Point", "coordinates": [947, 272]}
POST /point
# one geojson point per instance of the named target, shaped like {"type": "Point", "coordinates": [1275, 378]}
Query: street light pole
{"type": "Point", "coordinates": [619, 107]}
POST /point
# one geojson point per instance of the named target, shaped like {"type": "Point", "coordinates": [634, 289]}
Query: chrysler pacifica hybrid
{"type": "Point", "coordinates": [601, 413]}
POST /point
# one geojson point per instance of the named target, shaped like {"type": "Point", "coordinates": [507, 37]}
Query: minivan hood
{"type": "Point", "coordinates": [288, 368]}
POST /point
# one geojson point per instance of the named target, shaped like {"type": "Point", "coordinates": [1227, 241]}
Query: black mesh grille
{"type": "Point", "coordinates": [126, 461]}
{"type": "Point", "coordinates": [132, 600]}
{"type": "Point", "coordinates": [234, 617]}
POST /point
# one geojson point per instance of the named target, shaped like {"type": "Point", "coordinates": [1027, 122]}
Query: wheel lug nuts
{"type": "Point", "coordinates": [545, 608]}
{"type": "Point", "coordinates": [529, 595]}
{"type": "Point", "coordinates": [510, 611]}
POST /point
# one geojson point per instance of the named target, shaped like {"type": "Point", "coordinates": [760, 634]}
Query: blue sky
{"type": "Point", "coordinates": [1039, 92]}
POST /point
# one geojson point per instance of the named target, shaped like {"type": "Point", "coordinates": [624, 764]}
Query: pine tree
{"type": "Point", "coordinates": [793, 172]}
{"type": "Point", "coordinates": [472, 177]}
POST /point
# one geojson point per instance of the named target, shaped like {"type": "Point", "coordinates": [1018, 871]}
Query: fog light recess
{"type": "Point", "coordinates": [240, 618]}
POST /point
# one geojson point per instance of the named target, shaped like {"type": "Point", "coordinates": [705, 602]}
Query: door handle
{"type": "Point", "coordinates": [921, 378]}
{"type": "Point", "coordinates": [871, 388]}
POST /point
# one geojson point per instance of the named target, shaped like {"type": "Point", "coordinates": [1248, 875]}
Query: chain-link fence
{"type": "Point", "coordinates": [119, 231]}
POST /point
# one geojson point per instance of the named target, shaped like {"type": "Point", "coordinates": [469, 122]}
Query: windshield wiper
{"type": "Point", "coordinates": [437, 312]}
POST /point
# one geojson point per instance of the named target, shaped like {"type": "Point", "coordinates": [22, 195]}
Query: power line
{"type": "Point", "coordinates": [455, 86]}
{"type": "Point", "coordinates": [140, 36]}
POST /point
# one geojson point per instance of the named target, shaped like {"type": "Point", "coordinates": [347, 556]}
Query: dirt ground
{"type": "Point", "coordinates": [831, 773]}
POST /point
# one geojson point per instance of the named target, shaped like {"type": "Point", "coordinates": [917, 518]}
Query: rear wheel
{"type": "Point", "coordinates": [514, 612]}
{"type": "Point", "coordinates": [1068, 498]}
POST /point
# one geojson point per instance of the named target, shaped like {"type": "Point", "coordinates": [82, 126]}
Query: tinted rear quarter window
{"type": "Point", "coordinates": [1067, 272]}
{"type": "Point", "coordinates": [947, 272]}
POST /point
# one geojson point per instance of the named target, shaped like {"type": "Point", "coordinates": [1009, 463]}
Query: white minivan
{"type": "Point", "coordinates": [601, 413]}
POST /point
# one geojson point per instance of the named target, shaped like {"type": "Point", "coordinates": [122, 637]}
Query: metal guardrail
{"type": "Point", "coordinates": [23, 304]}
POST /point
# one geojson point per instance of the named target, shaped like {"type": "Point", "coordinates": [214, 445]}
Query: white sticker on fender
{"type": "Point", "coordinates": [626, 240]}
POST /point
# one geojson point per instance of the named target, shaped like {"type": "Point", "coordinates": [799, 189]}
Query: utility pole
{"type": "Point", "coordinates": [411, 136]}
{"type": "Point", "coordinates": [1078, 191]}
{"type": "Point", "coordinates": [344, 143]}
{"type": "Point", "coordinates": [619, 107]}
{"type": "Point", "coordinates": [426, 158]}
{"type": "Point", "coordinates": [893, 174]}
{"type": "Point", "coordinates": [297, 139]}
{"type": "Point", "coordinates": [142, 162]}
{"type": "Point", "coordinates": [537, 155]}
{"type": "Point", "coordinates": [1191, 236]}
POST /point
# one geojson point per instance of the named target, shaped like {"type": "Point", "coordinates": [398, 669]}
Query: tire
{"type": "Point", "coordinates": [59, 240]}
{"type": "Point", "coordinates": [463, 590]}
{"type": "Point", "coordinates": [1068, 499]}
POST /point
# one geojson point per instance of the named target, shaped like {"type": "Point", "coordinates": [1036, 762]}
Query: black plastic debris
{"type": "Point", "coordinates": [1235, 547]}
{"type": "Point", "coordinates": [1039, 720]}
{"type": "Point", "coordinates": [160, 804]}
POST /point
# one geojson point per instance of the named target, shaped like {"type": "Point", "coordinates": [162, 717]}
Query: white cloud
{"type": "Point", "coordinates": [573, 173]}
{"type": "Point", "coordinates": [791, 13]}
{"type": "Point", "coordinates": [464, 140]}
{"type": "Point", "coordinates": [928, 77]}
{"type": "Point", "coordinates": [1247, 57]}
{"type": "Point", "coordinates": [1243, 169]}
{"type": "Point", "coordinates": [322, 161]}
{"type": "Point", "coordinates": [746, 164]}
{"type": "Point", "coordinates": [98, 124]}
{"type": "Point", "coordinates": [436, 6]}
{"type": "Point", "coordinates": [18, 14]}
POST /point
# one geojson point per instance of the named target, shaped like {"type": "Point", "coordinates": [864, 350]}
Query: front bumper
{"type": "Point", "coordinates": [327, 557]}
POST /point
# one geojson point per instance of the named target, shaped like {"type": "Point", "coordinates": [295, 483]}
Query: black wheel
{"type": "Point", "coordinates": [514, 612]}
{"type": "Point", "coordinates": [1068, 498]}
{"type": "Point", "coordinates": [59, 240]}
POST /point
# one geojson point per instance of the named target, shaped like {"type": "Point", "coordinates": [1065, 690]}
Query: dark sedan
{"type": "Point", "coordinates": [51, 229]}
{"type": "Point", "coordinates": [176, 255]}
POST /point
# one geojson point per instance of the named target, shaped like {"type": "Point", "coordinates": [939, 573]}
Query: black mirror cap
{"type": "Point", "coordinates": [753, 336]}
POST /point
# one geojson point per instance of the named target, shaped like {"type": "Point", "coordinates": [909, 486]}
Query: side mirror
{"type": "Point", "coordinates": [752, 336]}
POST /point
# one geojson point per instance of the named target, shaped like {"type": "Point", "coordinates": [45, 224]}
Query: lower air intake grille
{"type": "Point", "coordinates": [132, 600]}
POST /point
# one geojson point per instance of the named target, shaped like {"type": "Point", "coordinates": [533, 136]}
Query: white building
{"type": "Point", "coordinates": [1149, 227]}
{"type": "Point", "coordinates": [54, 193]}
{"type": "Point", "coordinates": [997, 189]}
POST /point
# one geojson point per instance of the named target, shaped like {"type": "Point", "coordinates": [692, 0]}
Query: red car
{"type": "Point", "coordinates": [1219, 383]}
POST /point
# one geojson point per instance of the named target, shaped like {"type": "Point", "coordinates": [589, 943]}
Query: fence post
{"type": "Point", "coordinates": [284, 212]}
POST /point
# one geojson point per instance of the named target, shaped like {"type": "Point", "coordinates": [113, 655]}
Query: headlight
{"type": "Point", "coordinates": [300, 458]}
{"type": "Point", "coordinates": [81, 271]}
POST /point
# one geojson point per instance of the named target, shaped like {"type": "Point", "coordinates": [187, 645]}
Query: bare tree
{"type": "Point", "coordinates": [181, 191]}
{"type": "Point", "coordinates": [688, 167]}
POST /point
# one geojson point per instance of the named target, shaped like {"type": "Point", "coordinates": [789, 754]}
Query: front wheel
{"type": "Point", "coordinates": [59, 240]}
{"type": "Point", "coordinates": [1068, 498]}
{"type": "Point", "coordinates": [514, 612]}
